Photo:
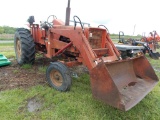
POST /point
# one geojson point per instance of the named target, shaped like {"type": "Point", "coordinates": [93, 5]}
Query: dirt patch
{"type": "Point", "coordinates": [33, 104]}
{"type": "Point", "coordinates": [14, 76]}
{"type": "Point", "coordinates": [77, 71]}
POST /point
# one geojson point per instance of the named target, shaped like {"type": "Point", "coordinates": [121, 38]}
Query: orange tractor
{"type": "Point", "coordinates": [119, 83]}
{"type": "Point", "coordinates": [152, 40]}
{"type": "Point", "coordinates": [153, 36]}
{"type": "Point", "coordinates": [156, 36]}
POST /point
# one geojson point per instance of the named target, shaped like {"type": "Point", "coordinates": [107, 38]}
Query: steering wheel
{"type": "Point", "coordinates": [51, 23]}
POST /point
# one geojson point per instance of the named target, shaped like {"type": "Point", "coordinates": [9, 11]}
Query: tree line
{"type": "Point", "coordinates": [7, 30]}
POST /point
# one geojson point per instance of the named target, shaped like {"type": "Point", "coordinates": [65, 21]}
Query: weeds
{"type": "Point", "coordinates": [42, 69]}
{"type": "Point", "coordinates": [26, 66]}
{"type": "Point", "coordinates": [7, 44]}
{"type": "Point", "coordinates": [15, 71]}
{"type": "Point", "coordinates": [7, 49]}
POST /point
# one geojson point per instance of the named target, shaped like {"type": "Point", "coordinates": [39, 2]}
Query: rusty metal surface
{"type": "Point", "coordinates": [123, 84]}
{"type": "Point", "coordinates": [56, 77]}
{"type": "Point", "coordinates": [65, 47]}
{"type": "Point", "coordinates": [103, 87]}
{"type": "Point", "coordinates": [143, 69]}
{"type": "Point", "coordinates": [135, 92]}
{"type": "Point", "coordinates": [101, 52]}
{"type": "Point", "coordinates": [96, 39]}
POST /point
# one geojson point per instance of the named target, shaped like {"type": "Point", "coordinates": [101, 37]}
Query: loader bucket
{"type": "Point", "coordinates": [123, 84]}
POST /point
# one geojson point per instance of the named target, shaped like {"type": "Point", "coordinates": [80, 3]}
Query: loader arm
{"type": "Point", "coordinates": [113, 46]}
{"type": "Point", "coordinates": [87, 55]}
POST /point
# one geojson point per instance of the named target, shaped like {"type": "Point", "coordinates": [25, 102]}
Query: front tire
{"type": "Point", "coordinates": [24, 46]}
{"type": "Point", "coordinates": [58, 76]}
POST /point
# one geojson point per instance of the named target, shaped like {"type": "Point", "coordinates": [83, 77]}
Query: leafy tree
{"type": "Point", "coordinates": [7, 30]}
{"type": "Point", "coordinates": [1, 30]}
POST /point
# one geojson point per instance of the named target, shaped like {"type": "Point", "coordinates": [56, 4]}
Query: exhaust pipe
{"type": "Point", "coordinates": [68, 9]}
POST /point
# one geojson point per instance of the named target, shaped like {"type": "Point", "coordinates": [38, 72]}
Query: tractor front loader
{"type": "Point", "coordinates": [119, 83]}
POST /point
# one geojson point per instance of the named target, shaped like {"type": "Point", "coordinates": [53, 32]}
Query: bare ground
{"type": "Point", "coordinates": [14, 76]}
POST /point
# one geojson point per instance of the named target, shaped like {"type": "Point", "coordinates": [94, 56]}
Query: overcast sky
{"type": "Point", "coordinates": [116, 15]}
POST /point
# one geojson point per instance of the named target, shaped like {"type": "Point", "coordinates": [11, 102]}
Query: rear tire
{"type": "Point", "coordinates": [24, 46]}
{"type": "Point", "coordinates": [58, 76]}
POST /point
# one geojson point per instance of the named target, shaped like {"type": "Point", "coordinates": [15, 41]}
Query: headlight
{"type": "Point", "coordinates": [145, 44]}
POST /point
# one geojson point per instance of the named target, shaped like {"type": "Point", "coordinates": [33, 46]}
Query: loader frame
{"type": "Point", "coordinates": [78, 44]}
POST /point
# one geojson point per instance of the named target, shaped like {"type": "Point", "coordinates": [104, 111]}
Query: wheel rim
{"type": "Point", "coordinates": [56, 78]}
{"type": "Point", "coordinates": [18, 47]}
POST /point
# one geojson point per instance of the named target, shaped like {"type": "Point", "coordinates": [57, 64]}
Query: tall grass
{"type": "Point", "coordinates": [6, 36]}
{"type": "Point", "coordinates": [7, 49]}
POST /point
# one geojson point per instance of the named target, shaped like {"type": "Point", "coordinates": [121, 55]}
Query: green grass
{"type": "Point", "coordinates": [7, 44]}
{"type": "Point", "coordinates": [7, 36]}
{"type": "Point", "coordinates": [8, 39]}
{"type": "Point", "coordinates": [7, 49]}
{"type": "Point", "coordinates": [26, 66]}
{"type": "Point", "coordinates": [115, 37]}
{"type": "Point", "coordinates": [42, 69]}
{"type": "Point", "coordinates": [115, 40]}
{"type": "Point", "coordinates": [15, 71]}
{"type": "Point", "coordinates": [125, 36]}
{"type": "Point", "coordinates": [77, 104]}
